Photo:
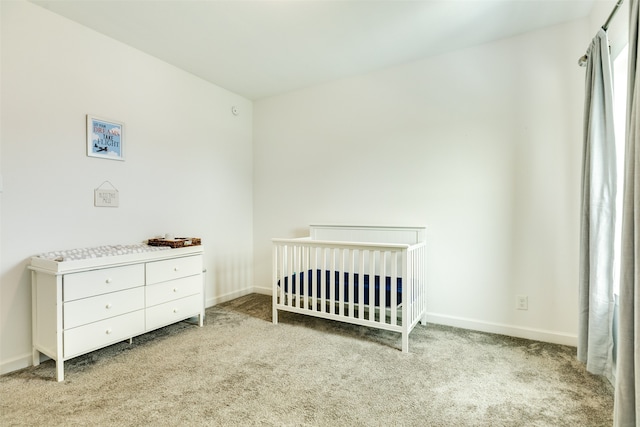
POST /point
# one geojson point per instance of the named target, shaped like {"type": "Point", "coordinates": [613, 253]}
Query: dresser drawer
{"type": "Point", "coordinates": [175, 289]}
{"type": "Point", "coordinates": [88, 310]}
{"type": "Point", "coordinates": [173, 311]}
{"type": "Point", "coordinates": [162, 271]}
{"type": "Point", "coordinates": [96, 282]}
{"type": "Point", "coordinates": [100, 334]}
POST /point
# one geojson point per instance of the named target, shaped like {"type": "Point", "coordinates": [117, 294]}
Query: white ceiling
{"type": "Point", "coordinates": [267, 47]}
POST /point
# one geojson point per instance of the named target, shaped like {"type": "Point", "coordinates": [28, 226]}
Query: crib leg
{"type": "Point", "coordinates": [405, 342]}
{"type": "Point", "coordinates": [274, 313]}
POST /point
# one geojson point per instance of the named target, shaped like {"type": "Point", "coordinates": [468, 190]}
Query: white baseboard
{"type": "Point", "coordinates": [262, 290]}
{"type": "Point", "coordinates": [210, 302]}
{"type": "Point", "coordinates": [502, 329]}
{"type": "Point", "coordinates": [16, 364]}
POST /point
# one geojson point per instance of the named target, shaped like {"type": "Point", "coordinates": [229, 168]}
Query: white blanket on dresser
{"type": "Point", "coordinates": [99, 252]}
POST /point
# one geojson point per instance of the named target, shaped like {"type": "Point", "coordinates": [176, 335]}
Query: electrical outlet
{"type": "Point", "coordinates": [522, 302]}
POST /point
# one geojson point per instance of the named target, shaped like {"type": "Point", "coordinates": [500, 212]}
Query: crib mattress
{"type": "Point", "coordinates": [299, 280]}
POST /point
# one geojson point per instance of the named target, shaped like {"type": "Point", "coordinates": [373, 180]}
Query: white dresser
{"type": "Point", "coordinates": [81, 305]}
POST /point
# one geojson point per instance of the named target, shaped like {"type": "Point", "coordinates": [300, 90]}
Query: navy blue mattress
{"type": "Point", "coordinates": [358, 280]}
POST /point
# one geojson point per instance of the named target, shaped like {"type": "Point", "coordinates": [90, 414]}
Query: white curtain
{"type": "Point", "coordinates": [627, 394]}
{"type": "Point", "coordinates": [598, 212]}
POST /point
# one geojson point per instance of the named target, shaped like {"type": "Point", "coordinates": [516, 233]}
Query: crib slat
{"type": "Point", "coordinates": [286, 273]}
{"type": "Point", "coordinates": [408, 295]}
{"type": "Point", "coordinates": [313, 265]}
{"type": "Point", "coordinates": [309, 281]}
{"type": "Point", "coordinates": [300, 273]}
{"type": "Point", "coordinates": [411, 286]}
{"type": "Point", "coordinates": [304, 280]}
{"type": "Point", "coordinates": [301, 277]}
{"type": "Point", "coordinates": [296, 272]}
{"type": "Point", "coordinates": [341, 283]}
{"type": "Point", "coordinates": [362, 273]}
{"type": "Point", "coordinates": [289, 274]}
{"type": "Point", "coordinates": [292, 269]}
{"type": "Point", "coordinates": [393, 288]}
{"type": "Point", "coordinates": [351, 282]}
{"type": "Point", "coordinates": [372, 288]}
{"type": "Point", "coordinates": [281, 251]}
{"type": "Point", "coordinates": [382, 287]}
{"type": "Point", "coordinates": [332, 280]}
{"type": "Point", "coordinates": [323, 281]}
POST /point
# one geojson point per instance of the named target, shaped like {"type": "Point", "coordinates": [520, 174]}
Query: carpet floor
{"type": "Point", "coordinates": [240, 369]}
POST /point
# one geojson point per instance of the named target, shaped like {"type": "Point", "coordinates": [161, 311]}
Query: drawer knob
{"type": "Point", "coordinates": [108, 306]}
{"type": "Point", "coordinates": [175, 269]}
{"type": "Point", "coordinates": [175, 310]}
{"type": "Point", "coordinates": [108, 280]}
{"type": "Point", "coordinates": [175, 290]}
{"type": "Point", "coordinates": [108, 331]}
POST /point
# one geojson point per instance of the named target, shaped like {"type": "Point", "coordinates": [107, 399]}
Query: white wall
{"type": "Point", "coordinates": [483, 146]}
{"type": "Point", "coordinates": [188, 167]}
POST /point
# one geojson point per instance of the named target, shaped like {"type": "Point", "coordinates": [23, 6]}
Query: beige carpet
{"type": "Point", "coordinates": [240, 369]}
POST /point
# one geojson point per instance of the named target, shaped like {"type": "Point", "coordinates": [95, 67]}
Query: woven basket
{"type": "Point", "coordinates": [178, 242]}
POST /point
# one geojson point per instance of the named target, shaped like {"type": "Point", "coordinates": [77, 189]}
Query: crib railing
{"type": "Point", "coordinates": [327, 279]}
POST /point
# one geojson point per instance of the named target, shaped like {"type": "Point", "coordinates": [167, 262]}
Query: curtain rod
{"type": "Point", "coordinates": [583, 59]}
{"type": "Point", "coordinates": [611, 15]}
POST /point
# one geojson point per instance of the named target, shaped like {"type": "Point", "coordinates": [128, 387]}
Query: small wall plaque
{"type": "Point", "coordinates": [106, 197]}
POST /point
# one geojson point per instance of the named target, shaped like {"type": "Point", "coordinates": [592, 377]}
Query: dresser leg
{"type": "Point", "coordinates": [60, 370]}
{"type": "Point", "coordinates": [36, 357]}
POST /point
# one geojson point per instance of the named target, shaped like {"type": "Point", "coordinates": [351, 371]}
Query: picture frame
{"type": "Point", "coordinates": [105, 138]}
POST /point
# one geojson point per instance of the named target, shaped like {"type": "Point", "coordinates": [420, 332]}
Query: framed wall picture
{"type": "Point", "coordinates": [105, 138]}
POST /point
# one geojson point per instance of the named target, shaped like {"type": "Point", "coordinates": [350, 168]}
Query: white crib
{"type": "Point", "coordinates": [365, 275]}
